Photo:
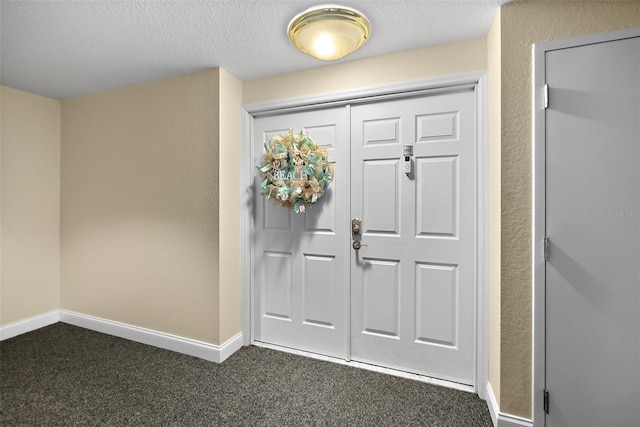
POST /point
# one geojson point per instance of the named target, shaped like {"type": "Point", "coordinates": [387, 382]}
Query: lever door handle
{"type": "Point", "coordinates": [357, 245]}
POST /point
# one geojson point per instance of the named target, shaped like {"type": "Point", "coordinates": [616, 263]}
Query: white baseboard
{"type": "Point", "coordinates": [494, 409]}
{"type": "Point", "coordinates": [203, 350]}
{"type": "Point", "coordinates": [503, 420]}
{"type": "Point", "coordinates": [508, 420]}
{"type": "Point", "coordinates": [29, 324]}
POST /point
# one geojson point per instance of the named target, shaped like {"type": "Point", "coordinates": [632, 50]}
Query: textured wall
{"type": "Point", "coordinates": [30, 255]}
{"type": "Point", "coordinates": [440, 60]}
{"type": "Point", "coordinates": [523, 24]}
{"type": "Point", "coordinates": [139, 219]}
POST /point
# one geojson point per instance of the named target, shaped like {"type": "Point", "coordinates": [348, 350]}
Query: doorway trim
{"type": "Point", "coordinates": [477, 80]}
{"type": "Point", "coordinates": [539, 99]}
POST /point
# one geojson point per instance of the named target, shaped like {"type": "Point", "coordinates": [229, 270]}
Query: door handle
{"type": "Point", "coordinates": [357, 245]}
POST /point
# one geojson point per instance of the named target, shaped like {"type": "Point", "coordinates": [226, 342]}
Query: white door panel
{"type": "Point", "coordinates": [300, 261]}
{"type": "Point", "coordinates": [413, 285]}
{"type": "Point", "coordinates": [593, 222]}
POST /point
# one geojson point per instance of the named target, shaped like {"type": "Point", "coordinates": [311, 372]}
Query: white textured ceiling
{"type": "Point", "coordinates": [65, 49]}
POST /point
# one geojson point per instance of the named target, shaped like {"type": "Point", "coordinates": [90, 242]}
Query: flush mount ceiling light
{"type": "Point", "coordinates": [329, 32]}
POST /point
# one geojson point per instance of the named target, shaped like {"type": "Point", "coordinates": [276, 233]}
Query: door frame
{"type": "Point", "coordinates": [476, 80]}
{"type": "Point", "coordinates": [539, 100]}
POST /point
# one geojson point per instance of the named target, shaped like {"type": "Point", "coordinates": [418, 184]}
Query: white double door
{"type": "Point", "coordinates": [406, 300]}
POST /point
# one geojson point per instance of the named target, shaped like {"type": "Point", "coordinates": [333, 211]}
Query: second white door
{"type": "Point", "coordinates": [413, 285]}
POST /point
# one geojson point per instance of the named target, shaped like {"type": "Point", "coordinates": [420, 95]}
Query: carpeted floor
{"type": "Point", "coordinates": [64, 375]}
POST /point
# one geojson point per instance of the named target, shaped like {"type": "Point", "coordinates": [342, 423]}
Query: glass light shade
{"type": "Point", "coordinates": [329, 32]}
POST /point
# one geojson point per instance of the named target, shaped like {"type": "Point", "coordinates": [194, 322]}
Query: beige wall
{"type": "Point", "coordinates": [30, 254]}
{"type": "Point", "coordinates": [143, 213]}
{"type": "Point", "coordinates": [140, 206]}
{"type": "Point", "coordinates": [522, 24]}
{"type": "Point", "coordinates": [493, 202]}
{"type": "Point", "coordinates": [451, 58]}
{"type": "Point", "coordinates": [230, 173]}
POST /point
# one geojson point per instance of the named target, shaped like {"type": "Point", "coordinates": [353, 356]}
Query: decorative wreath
{"type": "Point", "coordinates": [295, 171]}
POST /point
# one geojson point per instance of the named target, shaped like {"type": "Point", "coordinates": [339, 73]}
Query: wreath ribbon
{"type": "Point", "coordinates": [295, 171]}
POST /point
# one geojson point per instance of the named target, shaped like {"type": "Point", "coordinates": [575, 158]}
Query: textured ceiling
{"type": "Point", "coordinates": [64, 49]}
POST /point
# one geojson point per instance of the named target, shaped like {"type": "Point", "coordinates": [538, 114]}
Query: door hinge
{"type": "Point", "coordinates": [547, 243]}
{"type": "Point", "coordinates": [545, 401]}
{"type": "Point", "coordinates": [545, 93]}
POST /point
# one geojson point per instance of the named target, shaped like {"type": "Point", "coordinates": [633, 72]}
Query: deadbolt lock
{"type": "Point", "coordinates": [356, 226]}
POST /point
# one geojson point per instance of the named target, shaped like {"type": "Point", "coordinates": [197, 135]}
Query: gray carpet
{"type": "Point", "coordinates": [64, 375]}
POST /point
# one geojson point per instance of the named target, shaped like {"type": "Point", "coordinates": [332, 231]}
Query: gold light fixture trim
{"type": "Point", "coordinates": [329, 32]}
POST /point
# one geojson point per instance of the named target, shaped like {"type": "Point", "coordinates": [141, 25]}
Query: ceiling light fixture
{"type": "Point", "coordinates": [329, 32]}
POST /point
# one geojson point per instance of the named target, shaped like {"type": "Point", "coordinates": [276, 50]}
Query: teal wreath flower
{"type": "Point", "coordinates": [295, 171]}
